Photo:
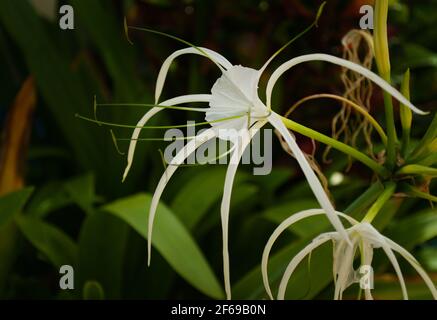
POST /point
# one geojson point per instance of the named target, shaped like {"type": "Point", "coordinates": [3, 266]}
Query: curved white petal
{"type": "Point", "coordinates": [415, 264]}
{"type": "Point", "coordinates": [150, 114]}
{"type": "Point", "coordinates": [281, 228]}
{"type": "Point", "coordinates": [296, 261]}
{"type": "Point", "coordinates": [313, 181]}
{"type": "Point", "coordinates": [390, 255]}
{"type": "Point", "coordinates": [367, 252]}
{"type": "Point", "coordinates": [180, 157]}
{"type": "Point", "coordinates": [341, 62]}
{"type": "Point", "coordinates": [345, 272]}
{"type": "Point", "coordinates": [216, 57]}
{"type": "Point", "coordinates": [245, 139]}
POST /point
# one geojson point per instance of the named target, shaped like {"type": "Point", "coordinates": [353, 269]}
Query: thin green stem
{"type": "Point", "coordinates": [158, 127]}
{"type": "Point", "coordinates": [379, 169]}
{"type": "Point", "coordinates": [390, 188]}
{"type": "Point", "coordinates": [391, 131]}
{"type": "Point", "coordinates": [406, 114]}
{"type": "Point", "coordinates": [382, 56]}
{"type": "Point", "coordinates": [146, 105]}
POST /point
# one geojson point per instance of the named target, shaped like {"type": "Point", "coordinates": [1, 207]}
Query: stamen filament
{"type": "Point", "coordinates": [146, 105]}
{"type": "Point", "coordinates": [158, 127]}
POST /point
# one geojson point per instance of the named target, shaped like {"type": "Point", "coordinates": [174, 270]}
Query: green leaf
{"type": "Point", "coordinates": [102, 248]}
{"type": "Point", "coordinates": [415, 169]}
{"type": "Point", "coordinates": [92, 290]}
{"type": "Point", "coordinates": [58, 85]}
{"type": "Point", "coordinates": [428, 258]}
{"type": "Point", "coordinates": [171, 239]}
{"type": "Point", "coordinates": [313, 225]}
{"type": "Point", "coordinates": [414, 230]}
{"type": "Point", "coordinates": [81, 190]}
{"type": "Point", "coordinates": [197, 196]}
{"type": "Point", "coordinates": [417, 56]}
{"type": "Point", "coordinates": [13, 203]}
{"type": "Point", "coordinates": [388, 289]}
{"type": "Point", "coordinates": [48, 198]}
{"type": "Point", "coordinates": [52, 242]}
{"type": "Point", "coordinates": [100, 24]}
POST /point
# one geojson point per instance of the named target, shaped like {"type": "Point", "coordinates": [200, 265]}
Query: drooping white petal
{"type": "Point", "coordinates": [367, 254]}
{"type": "Point", "coordinates": [245, 138]}
{"type": "Point", "coordinates": [311, 177]}
{"type": "Point", "coordinates": [150, 114]}
{"type": "Point", "coordinates": [341, 62]}
{"type": "Point", "coordinates": [345, 272]}
{"type": "Point", "coordinates": [180, 157]}
{"type": "Point", "coordinates": [216, 57]}
{"type": "Point", "coordinates": [296, 261]}
{"type": "Point", "coordinates": [278, 231]}
{"type": "Point", "coordinates": [390, 255]}
{"type": "Point", "coordinates": [337, 246]}
{"type": "Point", "coordinates": [415, 264]}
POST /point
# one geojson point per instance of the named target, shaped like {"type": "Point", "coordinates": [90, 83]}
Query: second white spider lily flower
{"type": "Point", "coordinates": [234, 96]}
{"type": "Point", "coordinates": [365, 238]}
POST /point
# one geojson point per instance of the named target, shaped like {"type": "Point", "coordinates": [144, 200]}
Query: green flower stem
{"type": "Point", "coordinates": [382, 57]}
{"type": "Point", "coordinates": [379, 169]}
{"type": "Point", "coordinates": [389, 190]}
{"type": "Point", "coordinates": [406, 114]}
{"type": "Point", "coordinates": [391, 131]}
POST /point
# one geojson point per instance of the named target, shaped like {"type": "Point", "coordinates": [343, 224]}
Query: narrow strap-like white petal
{"type": "Point", "coordinates": [367, 261]}
{"type": "Point", "coordinates": [341, 62]}
{"type": "Point", "coordinates": [245, 139]}
{"type": "Point", "coordinates": [217, 58]}
{"type": "Point", "coordinates": [296, 261]}
{"type": "Point", "coordinates": [150, 114]}
{"type": "Point", "coordinates": [409, 257]}
{"type": "Point", "coordinates": [180, 157]}
{"type": "Point", "coordinates": [391, 256]}
{"type": "Point", "coordinates": [313, 181]}
{"type": "Point", "coordinates": [278, 231]}
{"type": "Point", "coordinates": [345, 269]}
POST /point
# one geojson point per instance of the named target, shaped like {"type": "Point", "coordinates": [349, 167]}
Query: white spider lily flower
{"type": "Point", "coordinates": [364, 237]}
{"type": "Point", "coordinates": [235, 95]}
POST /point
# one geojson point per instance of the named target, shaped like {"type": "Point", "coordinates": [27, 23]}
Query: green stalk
{"type": "Point", "coordinates": [415, 169]}
{"type": "Point", "coordinates": [389, 190]}
{"type": "Point", "coordinates": [379, 169]}
{"type": "Point", "coordinates": [382, 57]}
{"type": "Point", "coordinates": [417, 193]}
{"type": "Point", "coordinates": [367, 198]}
{"type": "Point", "coordinates": [406, 114]}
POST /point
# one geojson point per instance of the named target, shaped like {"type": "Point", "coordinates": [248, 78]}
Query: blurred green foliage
{"type": "Point", "coordinates": [79, 213]}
